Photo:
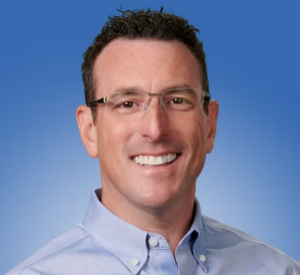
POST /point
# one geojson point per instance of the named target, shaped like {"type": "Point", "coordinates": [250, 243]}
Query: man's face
{"type": "Point", "coordinates": [151, 66]}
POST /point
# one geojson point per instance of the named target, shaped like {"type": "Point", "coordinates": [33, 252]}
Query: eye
{"type": "Point", "coordinates": [177, 100]}
{"type": "Point", "coordinates": [127, 104]}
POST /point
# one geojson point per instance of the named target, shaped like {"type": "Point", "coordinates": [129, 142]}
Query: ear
{"type": "Point", "coordinates": [87, 130]}
{"type": "Point", "coordinates": [211, 125]}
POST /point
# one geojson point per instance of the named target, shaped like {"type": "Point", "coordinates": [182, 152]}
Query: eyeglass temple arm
{"type": "Point", "coordinates": [101, 100]}
{"type": "Point", "coordinates": [206, 96]}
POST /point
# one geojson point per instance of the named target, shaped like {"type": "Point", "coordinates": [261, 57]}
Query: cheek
{"type": "Point", "coordinates": [196, 132]}
{"type": "Point", "coordinates": [113, 135]}
{"type": "Point", "coordinates": [201, 134]}
{"type": "Point", "coordinates": [198, 143]}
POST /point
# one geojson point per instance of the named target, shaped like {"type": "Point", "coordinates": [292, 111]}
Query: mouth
{"type": "Point", "coordinates": [148, 160]}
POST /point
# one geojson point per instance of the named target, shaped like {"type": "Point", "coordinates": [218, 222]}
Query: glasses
{"type": "Point", "coordinates": [132, 102]}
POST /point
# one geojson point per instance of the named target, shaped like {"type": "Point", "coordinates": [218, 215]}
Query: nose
{"type": "Point", "coordinates": [155, 120]}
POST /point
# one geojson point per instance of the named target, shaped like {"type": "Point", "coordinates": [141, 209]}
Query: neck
{"type": "Point", "coordinates": [171, 220]}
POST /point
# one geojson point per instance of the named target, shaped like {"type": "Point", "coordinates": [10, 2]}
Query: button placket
{"type": "Point", "coordinates": [153, 241]}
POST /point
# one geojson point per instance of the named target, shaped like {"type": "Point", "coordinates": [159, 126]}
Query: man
{"type": "Point", "coordinates": [150, 121]}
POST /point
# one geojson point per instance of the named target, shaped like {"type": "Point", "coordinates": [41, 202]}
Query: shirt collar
{"type": "Point", "coordinates": [199, 249]}
{"type": "Point", "coordinates": [122, 239]}
{"type": "Point", "coordinates": [128, 242]}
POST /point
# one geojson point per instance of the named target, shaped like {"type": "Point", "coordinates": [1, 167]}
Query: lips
{"type": "Point", "coordinates": [154, 160]}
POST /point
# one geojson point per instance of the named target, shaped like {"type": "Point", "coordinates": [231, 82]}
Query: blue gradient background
{"type": "Point", "coordinates": [250, 181]}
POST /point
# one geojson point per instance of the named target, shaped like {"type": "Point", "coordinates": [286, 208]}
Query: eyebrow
{"type": "Point", "coordinates": [128, 89]}
{"type": "Point", "coordinates": [138, 89]}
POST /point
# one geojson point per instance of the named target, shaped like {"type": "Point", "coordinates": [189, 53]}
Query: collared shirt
{"type": "Point", "coordinates": [106, 245]}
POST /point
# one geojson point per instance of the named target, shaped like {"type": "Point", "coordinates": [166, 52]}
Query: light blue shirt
{"type": "Point", "coordinates": [106, 245]}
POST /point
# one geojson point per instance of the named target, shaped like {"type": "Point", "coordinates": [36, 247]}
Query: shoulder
{"type": "Point", "coordinates": [221, 236]}
{"type": "Point", "coordinates": [65, 242]}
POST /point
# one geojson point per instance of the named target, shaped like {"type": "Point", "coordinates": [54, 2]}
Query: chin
{"type": "Point", "coordinates": [156, 197]}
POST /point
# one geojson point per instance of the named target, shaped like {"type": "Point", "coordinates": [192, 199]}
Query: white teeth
{"type": "Point", "coordinates": [152, 160]}
{"type": "Point", "coordinates": [159, 160]}
{"type": "Point", "coordinates": [169, 158]}
{"type": "Point", "coordinates": [141, 159]}
{"type": "Point", "coordinates": [145, 159]}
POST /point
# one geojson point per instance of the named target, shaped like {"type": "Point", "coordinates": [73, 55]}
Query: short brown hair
{"type": "Point", "coordinates": [148, 24]}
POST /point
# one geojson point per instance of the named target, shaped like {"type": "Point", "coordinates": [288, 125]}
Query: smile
{"type": "Point", "coordinates": [152, 160]}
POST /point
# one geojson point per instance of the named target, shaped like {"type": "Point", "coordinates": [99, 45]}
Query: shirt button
{"type": "Point", "coordinates": [135, 262]}
{"type": "Point", "coordinates": [153, 241]}
{"type": "Point", "coordinates": [202, 258]}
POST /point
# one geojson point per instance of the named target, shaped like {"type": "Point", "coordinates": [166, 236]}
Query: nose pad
{"type": "Point", "coordinates": [161, 102]}
{"type": "Point", "coordinates": [149, 101]}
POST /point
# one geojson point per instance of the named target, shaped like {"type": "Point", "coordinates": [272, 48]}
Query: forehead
{"type": "Point", "coordinates": [150, 65]}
